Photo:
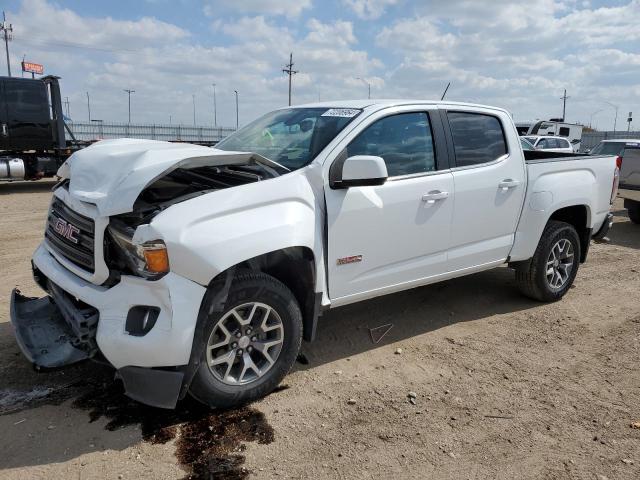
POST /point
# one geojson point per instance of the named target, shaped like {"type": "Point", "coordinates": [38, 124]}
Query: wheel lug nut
{"type": "Point", "coordinates": [253, 339]}
{"type": "Point", "coordinates": [234, 345]}
{"type": "Point", "coordinates": [248, 331]}
{"type": "Point", "coordinates": [238, 335]}
{"type": "Point", "coordinates": [249, 348]}
{"type": "Point", "coordinates": [239, 353]}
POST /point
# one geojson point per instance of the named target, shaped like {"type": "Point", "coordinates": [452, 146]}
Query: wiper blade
{"type": "Point", "coordinates": [270, 163]}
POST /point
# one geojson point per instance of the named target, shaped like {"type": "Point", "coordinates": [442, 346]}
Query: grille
{"type": "Point", "coordinates": [77, 227]}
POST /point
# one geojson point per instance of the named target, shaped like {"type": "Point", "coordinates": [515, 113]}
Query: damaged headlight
{"type": "Point", "coordinates": [149, 260]}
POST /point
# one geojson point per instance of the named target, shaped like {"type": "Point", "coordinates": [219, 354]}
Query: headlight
{"type": "Point", "coordinates": [149, 260]}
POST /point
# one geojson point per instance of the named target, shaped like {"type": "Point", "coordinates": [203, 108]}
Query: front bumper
{"type": "Point", "coordinates": [51, 330]}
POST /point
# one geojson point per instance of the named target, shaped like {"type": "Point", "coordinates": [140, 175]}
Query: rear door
{"type": "Point", "coordinates": [388, 237]}
{"type": "Point", "coordinates": [490, 181]}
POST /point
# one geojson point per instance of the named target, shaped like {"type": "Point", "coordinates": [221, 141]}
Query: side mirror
{"type": "Point", "coordinates": [361, 171]}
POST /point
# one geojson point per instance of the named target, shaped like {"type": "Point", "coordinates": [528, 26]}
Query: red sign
{"type": "Point", "coordinates": [32, 68]}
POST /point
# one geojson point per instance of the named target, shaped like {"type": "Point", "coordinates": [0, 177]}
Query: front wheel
{"type": "Point", "coordinates": [251, 345]}
{"type": "Point", "coordinates": [554, 265]}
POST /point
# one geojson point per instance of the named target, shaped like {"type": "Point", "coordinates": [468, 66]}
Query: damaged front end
{"type": "Point", "coordinates": [55, 330]}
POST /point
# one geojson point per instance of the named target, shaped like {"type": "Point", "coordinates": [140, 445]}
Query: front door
{"type": "Point", "coordinates": [381, 238]}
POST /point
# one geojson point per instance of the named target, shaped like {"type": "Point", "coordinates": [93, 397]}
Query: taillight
{"type": "Point", "coordinates": [619, 162]}
{"type": "Point", "coordinates": [616, 181]}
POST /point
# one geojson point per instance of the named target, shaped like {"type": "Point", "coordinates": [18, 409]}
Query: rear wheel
{"type": "Point", "coordinates": [634, 211]}
{"type": "Point", "coordinates": [554, 265]}
{"type": "Point", "coordinates": [251, 345]}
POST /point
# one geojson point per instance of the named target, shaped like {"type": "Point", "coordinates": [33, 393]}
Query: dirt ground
{"type": "Point", "coordinates": [505, 387]}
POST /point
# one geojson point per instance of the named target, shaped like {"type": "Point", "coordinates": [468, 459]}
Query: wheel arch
{"type": "Point", "coordinates": [579, 216]}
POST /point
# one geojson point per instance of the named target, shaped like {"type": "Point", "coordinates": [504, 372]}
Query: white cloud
{"type": "Point", "coordinates": [337, 34]}
{"type": "Point", "coordinates": [369, 9]}
{"type": "Point", "coordinates": [288, 8]}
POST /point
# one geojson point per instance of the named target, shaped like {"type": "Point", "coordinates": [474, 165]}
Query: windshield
{"type": "Point", "coordinates": [291, 137]}
{"type": "Point", "coordinates": [526, 145]}
{"type": "Point", "coordinates": [531, 140]}
{"type": "Point", "coordinates": [608, 148]}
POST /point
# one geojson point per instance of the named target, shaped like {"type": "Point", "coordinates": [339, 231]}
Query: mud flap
{"type": "Point", "coordinates": [42, 333]}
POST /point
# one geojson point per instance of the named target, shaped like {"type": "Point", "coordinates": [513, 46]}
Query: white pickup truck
{"type": "Point", "coordinates": [198, 270]}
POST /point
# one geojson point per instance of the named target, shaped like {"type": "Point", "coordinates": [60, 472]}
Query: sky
{"type": "Point", "coordinates": [516, 55]}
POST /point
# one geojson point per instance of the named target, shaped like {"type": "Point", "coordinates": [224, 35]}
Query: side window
{"type": "Point", "coordinates": [565, 144]}
{"type": "Point", "coordinates": [404, 141]}
{"type": "Point", "coordinates": [477, 138]}
{"type": "Point", "coordinates": [544, 143]}
{"type": "Point", "coordinates": [564, 131]}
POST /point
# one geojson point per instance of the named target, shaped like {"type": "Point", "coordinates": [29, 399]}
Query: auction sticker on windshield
{"type": "Point", "coordinates": [341, 112]}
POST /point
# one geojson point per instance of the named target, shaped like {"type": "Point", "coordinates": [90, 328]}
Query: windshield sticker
{"type": "Point", "coordinates": [341, 112]}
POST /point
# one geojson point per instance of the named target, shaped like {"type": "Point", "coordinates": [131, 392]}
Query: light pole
{"type": "Point", "coordinates": [88, 106]}
{"type": "Point", "coordinates": [215, 113]}
{"type": "Point", "coordinates": [368, 85]}
{"type": "Point", "coordinates": [591, 116]}
{"type": "Point", "coordinates": [129, 91]}
{"type": "Point", "coordinates": [615, 120]}
{"type": "Point", "coordinates": [193, 96]}
{"type": "Point", "coordinates": [237, 118]}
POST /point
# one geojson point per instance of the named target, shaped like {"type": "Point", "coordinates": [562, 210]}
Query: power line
{"type": "Point", "coordinates": [291, 72]}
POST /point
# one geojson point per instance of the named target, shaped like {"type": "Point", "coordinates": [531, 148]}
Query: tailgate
{"type": "Point", "coordinates": [630, 170]}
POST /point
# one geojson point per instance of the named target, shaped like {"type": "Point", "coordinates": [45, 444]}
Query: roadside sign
{"type": "Point", "coordinates": [32, 68]}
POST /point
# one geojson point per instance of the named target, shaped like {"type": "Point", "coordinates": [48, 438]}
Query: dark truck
{"type": "Point", "coordinates": [32, 128]}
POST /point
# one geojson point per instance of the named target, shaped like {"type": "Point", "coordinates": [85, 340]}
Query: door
{"type": "Point", "coordinates": [381, 237]}
{"type": "Point", "coordinates": [28, 119]}
{"type": "Point", "coordinates": [490, 182]}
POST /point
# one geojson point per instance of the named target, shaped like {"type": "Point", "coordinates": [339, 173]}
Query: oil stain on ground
{"type": "Point", "coordinates": [209, 444]}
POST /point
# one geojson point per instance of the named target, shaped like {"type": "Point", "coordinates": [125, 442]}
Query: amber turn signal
{"type": "Point", "coordinates": [156, 259]}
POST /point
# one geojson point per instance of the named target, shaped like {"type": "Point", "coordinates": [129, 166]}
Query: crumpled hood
{"type": "Point", "coordinates": [111, 173]}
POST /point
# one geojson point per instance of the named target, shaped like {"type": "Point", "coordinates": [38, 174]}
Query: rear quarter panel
{"type": "Point", "coordinates": [554, 184]}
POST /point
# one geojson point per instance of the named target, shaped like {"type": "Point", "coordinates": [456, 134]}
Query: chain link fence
{"type": "Point", "coordinates": [90, 131]}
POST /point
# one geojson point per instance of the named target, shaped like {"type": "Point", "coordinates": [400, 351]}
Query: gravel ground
{"type": "Point", "coordinates": [504, 387]}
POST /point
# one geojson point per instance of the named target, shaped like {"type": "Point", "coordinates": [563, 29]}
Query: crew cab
{"type": "Point", "coordinates": [198, 270]}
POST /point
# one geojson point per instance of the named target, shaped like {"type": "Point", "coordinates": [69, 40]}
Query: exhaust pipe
{"type": "Point", "coordinates": [11, 169]}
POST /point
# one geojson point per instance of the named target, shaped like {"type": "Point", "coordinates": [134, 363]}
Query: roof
{"type": "Point", "coordinates": [622, 140]}
{"type": "Point", "coordinates": [377, 104]}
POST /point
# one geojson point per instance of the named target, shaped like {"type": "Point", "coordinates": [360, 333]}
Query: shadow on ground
{"type": "Point", "coordinates": [624, 232]}
{"type": "Point", "coordinates": [26, 187]}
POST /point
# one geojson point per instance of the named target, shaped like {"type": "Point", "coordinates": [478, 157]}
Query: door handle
{"type": "Point", "coordinates": [508, 183]}
{"type": "Point", "coordinates": [434, 196]}
{"type": "Point", "coordinates": [5, 132]}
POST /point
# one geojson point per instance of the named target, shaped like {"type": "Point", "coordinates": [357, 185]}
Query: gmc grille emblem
{"type": "Point", "coordinates": [66, 230]}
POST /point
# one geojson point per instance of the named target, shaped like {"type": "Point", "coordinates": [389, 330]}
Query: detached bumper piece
{"type": "Point", "coordinates": [155, 387]}
{"type": "Point", "coordinates": [54, 331]}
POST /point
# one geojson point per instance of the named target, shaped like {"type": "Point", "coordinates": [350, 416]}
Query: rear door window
{"type": "Point", "coordinates": [477, 138]}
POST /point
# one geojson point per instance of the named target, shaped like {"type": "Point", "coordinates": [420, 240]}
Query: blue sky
{"type": "Point", "coordinates": [517, 55]}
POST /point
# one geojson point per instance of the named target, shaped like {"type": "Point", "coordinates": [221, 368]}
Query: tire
{"type": "Point", "coordinates": [634, 211]}
{"type": "Point", "coordinates": [234, 382]}
{"type": "Point", "coordinates": [534, 281]}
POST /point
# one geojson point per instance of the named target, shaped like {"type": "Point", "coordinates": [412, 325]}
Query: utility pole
{"type": "Point", "coordinates": [88, 106]}
{"type": "Point", "coordinates": [629, 120]}
{"type": "Point", "coordinates": [215, 107]}
{"type": "Point", "coordinates": [368, 85]}
{"type": "Point", "coordinates": [564, 104]}
{"type": "Point", "coordinates": [66, 102]}
{"type": "Point", "coordinates": [237, 117]}
{"type": "Point", "coordinates": [129, 91]}
{"type": "Point", "coordinates": [291, 72]}
{"type": "Point", "coordinates": [7, 33]}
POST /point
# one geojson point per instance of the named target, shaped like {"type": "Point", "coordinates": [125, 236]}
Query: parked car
{"type": "Point", "coordinates": [628, 158]}
{"type": "Point", "coordinates": [554, 127]}
{"type": "Point", "coordinates": [550, 144]}
{"type": "Point", "coordinates": [198, 270]}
